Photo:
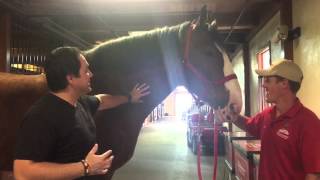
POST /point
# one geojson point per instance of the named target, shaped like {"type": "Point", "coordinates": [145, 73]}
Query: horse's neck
{"type": "Point", "coordinates": [156, 61]}
{"type": "Point", "coordinates": [172, 59]}
{"type": "Point", "coordinates": [167, 74]}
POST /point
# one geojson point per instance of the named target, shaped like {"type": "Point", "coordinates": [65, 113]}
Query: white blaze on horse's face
{"type": "Point", "coordinates": [235, 97]}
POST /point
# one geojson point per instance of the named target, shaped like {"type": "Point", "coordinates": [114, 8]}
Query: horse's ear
{"type": "Point", "coordinates": [203, 16]}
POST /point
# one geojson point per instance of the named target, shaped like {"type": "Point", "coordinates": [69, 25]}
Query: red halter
{"type": "Point", "coordinates": [206, 82]}
{"type": "Point", "coordinates": [200, 76]}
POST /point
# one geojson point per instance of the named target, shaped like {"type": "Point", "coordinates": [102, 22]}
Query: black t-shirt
{"type": "Point", "coordinates": [55, 131]}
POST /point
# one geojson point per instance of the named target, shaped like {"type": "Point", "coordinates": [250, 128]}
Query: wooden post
{"type": "Point", "coordinates": [286, 19]}
{"type": "Point", "coordinates": [5, 36]}
{"type": "Point", "coordinates": [246, 62]}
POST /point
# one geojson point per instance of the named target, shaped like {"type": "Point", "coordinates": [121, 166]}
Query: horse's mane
{"type": "Point", "coordinates": [131, 51]}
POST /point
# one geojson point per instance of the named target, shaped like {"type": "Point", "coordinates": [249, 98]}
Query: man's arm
{"type": "Point", "coordinates": [252, 125]}
{"type": "Point", "coordinates": [313, 176]}
{"type": "Point", "coordinates": [237, 119]}
{"type": "Point", "coordinates": [27, 169]}
{"type": "Point", "coordinates": [241, 122]}
{"type": "Point", "coordinates": [31, 170]}
{"type": "Point", "coordinates": [108, 101]}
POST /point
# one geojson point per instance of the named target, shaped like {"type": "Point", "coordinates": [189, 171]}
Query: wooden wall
{"type": "Point", "coordinates": [306, 51]}
{"type": "Point", "coordinates": [23, 45]}
{"type": "Point", "coordinates": [5, 34]}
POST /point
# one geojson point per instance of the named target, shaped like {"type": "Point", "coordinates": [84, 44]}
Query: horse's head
{"type": "Point", "coordinates": [208, 69]}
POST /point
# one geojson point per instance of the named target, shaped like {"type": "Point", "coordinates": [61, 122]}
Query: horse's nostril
{"type": "Point", "coordinates": [228, 117]}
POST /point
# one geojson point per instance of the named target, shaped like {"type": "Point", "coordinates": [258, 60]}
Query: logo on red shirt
{"type": "Point", "coordinates": [283, 133]}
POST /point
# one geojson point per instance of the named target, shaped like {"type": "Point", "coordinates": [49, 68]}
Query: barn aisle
{"type": "Point", "coordinates": [162, 154]}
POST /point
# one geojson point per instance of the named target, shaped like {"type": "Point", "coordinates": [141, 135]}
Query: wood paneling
{"type": "Point", "coordinates": [286, 19]}
{"type": "Point", "coordinates": [5, 24]}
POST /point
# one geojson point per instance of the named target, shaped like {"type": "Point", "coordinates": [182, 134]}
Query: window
{"type": "Point", "coordinates": [264, 61]}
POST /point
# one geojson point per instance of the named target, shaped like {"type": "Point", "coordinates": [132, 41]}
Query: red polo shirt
{"type": "Point", "coordinates": [290, 144]}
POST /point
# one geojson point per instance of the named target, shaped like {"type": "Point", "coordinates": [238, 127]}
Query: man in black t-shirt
{"type": "Point", "coordinates": [57, 138]}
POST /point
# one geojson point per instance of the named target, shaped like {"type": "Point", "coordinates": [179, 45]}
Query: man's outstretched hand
{"type": "Point", "coordinates": [227, 114]}
{"type": "Point", "coordinates": [138, 92]}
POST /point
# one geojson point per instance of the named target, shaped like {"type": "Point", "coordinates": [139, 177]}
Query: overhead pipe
{"type": "Point", "coordinates": [50, 25]}
{"type": "Point", "coordinates": [63, 32]}
{"type": "Point", "coordinates": [237, 21]}
{"type": "Point", "coordinates": [12, 7]}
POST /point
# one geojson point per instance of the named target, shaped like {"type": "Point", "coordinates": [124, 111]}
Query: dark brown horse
{"type": "Point", "coordinates": [163, 58]}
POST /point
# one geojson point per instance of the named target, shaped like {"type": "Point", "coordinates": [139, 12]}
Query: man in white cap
{"type": "Point", "coordinates": [289, 132]}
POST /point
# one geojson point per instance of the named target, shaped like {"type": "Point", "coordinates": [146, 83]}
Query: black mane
{"type": "Point", "coordinates": [127, 54]}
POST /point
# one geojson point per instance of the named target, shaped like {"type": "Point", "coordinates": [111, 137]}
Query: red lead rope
{"type": "Point", "coordinates": [215, 147]}
{"type": "Point", "coordinates": [199, 149]}
{"type": "Point", "coordinates": [206, 83]}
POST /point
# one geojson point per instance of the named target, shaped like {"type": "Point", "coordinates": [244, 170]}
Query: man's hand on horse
{"type": "Point", "coordinates": [99, 163]}
{"type": "Point", "coordinates": [139, 91]}
{"type": "Point", "coordinates": [226, 115]}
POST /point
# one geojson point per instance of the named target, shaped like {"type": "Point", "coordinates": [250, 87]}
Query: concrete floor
{"type": "Point", "coordinates": [162, 154]}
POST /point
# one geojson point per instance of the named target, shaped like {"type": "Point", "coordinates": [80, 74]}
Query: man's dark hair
{"type": "Point", "coordinates": [294, 86]}
{"type": "Point", "coordinates": [61, 62]}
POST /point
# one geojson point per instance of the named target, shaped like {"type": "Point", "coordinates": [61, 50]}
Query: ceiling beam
{"type": "Point", "coordinates": [86, 7]}
{"type": "Point", "coordinates": [89, 7]}
{"type": "Point", "coordinates": [62, 32]}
